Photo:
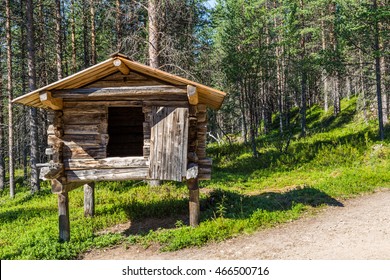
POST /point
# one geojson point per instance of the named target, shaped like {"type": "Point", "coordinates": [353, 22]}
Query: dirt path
{"type": "Point", "coordinates": [359, 230]}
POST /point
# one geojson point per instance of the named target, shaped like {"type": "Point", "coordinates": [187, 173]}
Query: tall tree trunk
{"type": "Point", "coordinates": [324, 77]}
{"type": "Point", "coordinates": [303, 78]}
{"type": "Point", "coordinates": [58, 39]}
{"type": "Point", "coordinates": [10, 96]}
{"type": "Point", "coordinates": [153, 46]}
{"type": "Point", "coordinates": [337, 94]}
{"type": "Point", "coordinates": [73, 36]}
{"type": "Point", "coordinates": [32, 85]}
{"type": "Point", "coordinates": [154, 40]}
{"type": "Point", "coordinates": [384, 89]}
{"type": "Point", "coordinates": [2, 125]}
{"type": "Point", "coordinates": [362, 86]}
{"type": "Point", "coordinates": [378, 73]}
{"type": "Point", "coordinates": [118, 25]}
{"type": "Point", "coordinates": [93, 33]}
{"type": "Point", "coordinates": [85, 34]}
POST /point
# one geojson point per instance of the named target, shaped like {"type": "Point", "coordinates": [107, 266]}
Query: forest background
{"type": "Point", "coordinates": [269, 56]}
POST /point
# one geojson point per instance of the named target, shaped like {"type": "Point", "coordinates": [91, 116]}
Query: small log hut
{"type": "Point", "coordinates": [121, 120]}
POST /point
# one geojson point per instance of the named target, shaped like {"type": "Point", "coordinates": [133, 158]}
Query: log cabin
{"type": "Point", "coordinates": [121, 120]}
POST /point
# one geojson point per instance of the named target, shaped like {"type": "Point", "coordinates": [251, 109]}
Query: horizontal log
{"type": "Point", "coordinates": [153, 98]}
{"type": "Point", "coordinates": [172, 103]}
{"type": "Point", "coordinates": [205, 162]}
{"type": "Point", "coordinates": [204, 170]}
{"type": "Point", "coordinates": [114, 162]}
{"type": "Point", "coordinates": [73, 151]}
{"type": "Point", "coordinates": [86, 139]}
{"type": "Point", "coordinates": [202, 108]}
{"type": "Point", "coordinates": [81, 118]}
{"type": "Point", "coordinates": [52, 171]}
{"type": "Point", "coordinates": [55, 130]}
{"type": "Point", "coordinates": [137, 91]}
{"type": "Point", "coordinates": [85, 129]}
{"type": "Point", "coordinates": [92, 103]}
{"type": "Point", "coordinates": [83, 107]}
{"type": "Point", "coordinates": [107, 174]}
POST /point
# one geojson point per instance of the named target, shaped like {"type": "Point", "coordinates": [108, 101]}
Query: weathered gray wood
{"type": "Point", "coordinates": [52, 171]}
{"type": "Point", "coordinates": [194, 205]}
{"type": "Point", "coordinates": [118, 79]}
{"type": "Point", "coordinates": [74, 151]}
{"type": "Point", "coordinates": [202, 107]}
{"type": "Point", "coordinates": [83, 139]}
{"type": "Point", "coordinates": [63, 217]}
{"type": "Point", "coordinates": [84, 119]}
{"type": "Point", "coordinates": [192, 171]}
{"type": "Point", "coordinates": [114, 162]}
{"type": "Point", "coordinates": [93, 104]}
{"type": "Point", "coordinates": [139, 91]}
{"type": "Point", "coordinates": [122, 174]}
{"type": "Point", "coordinates": [85, 129]}
{"type": "Point", "coordinates": [89, 200]}
{"type": "Point", "coordinates": [57, 185]}
{"type": "Point", "coordinates": [168, 143]}
{"type": "Point", "coordinates": [171, 103]}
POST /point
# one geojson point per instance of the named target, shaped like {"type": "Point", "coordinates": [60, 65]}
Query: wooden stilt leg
{"type": "Point", "coordinates": [89, 200]}
{"type": "Point", "coordinates": [194, 202]}
{"type": "Point", "coordinates": [63, 216]}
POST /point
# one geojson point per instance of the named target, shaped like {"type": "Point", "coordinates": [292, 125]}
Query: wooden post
{"type": "Point", "coordinates": [63, 216]}
{"type": "Point", "coordinates": [192, 168]}
{"type": "Point", "coordinates": [194, 206]}
{"type": "Point", "coordinates": [89, 200]}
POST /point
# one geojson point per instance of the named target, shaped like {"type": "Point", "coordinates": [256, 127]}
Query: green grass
{"type": "Point", "coordinates": [340, 158]}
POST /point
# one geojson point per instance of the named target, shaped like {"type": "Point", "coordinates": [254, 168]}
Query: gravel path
{"type": "Point", "coordinates": [359, 230]}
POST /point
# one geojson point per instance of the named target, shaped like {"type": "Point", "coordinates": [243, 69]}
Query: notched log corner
{"type": "Point", "coordinates": [50, 170]}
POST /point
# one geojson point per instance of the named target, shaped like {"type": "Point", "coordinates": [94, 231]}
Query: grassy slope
{"type": "Point", "coordinates": [340, 158]}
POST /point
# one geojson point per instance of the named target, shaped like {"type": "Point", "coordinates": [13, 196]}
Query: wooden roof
{"type": "Point", "coordinates": [213, 98]}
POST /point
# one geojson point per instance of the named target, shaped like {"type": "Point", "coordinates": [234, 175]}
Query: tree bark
{"type": "Point", "coordinates": [73, 36]}
{"type": "Point", "coordinates": [10, 96]}
{"type": "Point", "coordinates": [118, 25]}
{"type": "Point", "coordinates": [58, 39]}
{"type": "Point", "coordinates": [154, 40]}
{"type": "Point", "coordinates": [2, 125]}
{"type": "Point", "coordinates": [378, 75]}
{"type": "Point", "coordinates": [85, 34]}
{"type": "Point", "coordinates": [303, 78]}
{"type": "Point", "coordinates": [93, 33]}
{"type": "Point", "coordinates": [32, 85]}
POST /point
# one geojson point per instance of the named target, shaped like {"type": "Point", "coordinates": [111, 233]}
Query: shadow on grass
{"type": "Point", "coordinates": [233, 205]}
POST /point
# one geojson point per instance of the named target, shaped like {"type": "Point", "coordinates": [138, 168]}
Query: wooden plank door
{"type": "Point", "coordinates": [168, 143]}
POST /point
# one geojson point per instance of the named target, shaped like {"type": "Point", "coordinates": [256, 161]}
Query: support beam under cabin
{"type": "Point", "coordinates": [63, 216]}
{"type": "Point", "coordinates": [194, 205]}
{"type": "Point", "coordinates": [89, 200]}
{"type": "Point", "coordinates": [192, 168]}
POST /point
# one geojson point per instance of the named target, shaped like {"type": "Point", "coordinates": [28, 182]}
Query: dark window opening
{"type": "Point", "coordinates": [125, 130]}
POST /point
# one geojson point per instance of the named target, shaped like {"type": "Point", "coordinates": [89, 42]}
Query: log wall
{"type": "Point", "coordinates": [80, 139]}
